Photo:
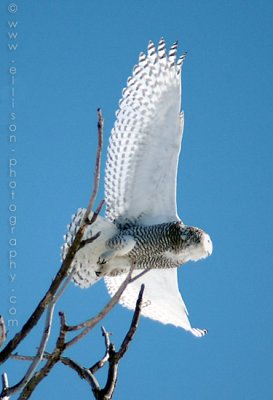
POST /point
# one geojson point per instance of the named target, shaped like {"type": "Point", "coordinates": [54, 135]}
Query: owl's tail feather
{"type": "Point", "coordinates": [87, 269]}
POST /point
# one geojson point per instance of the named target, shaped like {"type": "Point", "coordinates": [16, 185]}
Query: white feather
{"type": "Point", "coordinates": [145, 143]}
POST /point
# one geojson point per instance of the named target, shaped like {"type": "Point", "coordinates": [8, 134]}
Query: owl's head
{"type": "Point", "coordinates": [195, 243]}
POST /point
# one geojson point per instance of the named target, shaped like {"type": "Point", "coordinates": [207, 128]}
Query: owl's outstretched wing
{"type": "Point", "coordinates": [162, 300]}
{"type": "Point", "coordinates": [145, 142]}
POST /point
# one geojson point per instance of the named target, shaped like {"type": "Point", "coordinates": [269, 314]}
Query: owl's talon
{"type": "Point", "coordinates": [101, 261]}
{"type": "Point", "coordinates": [105, 257]}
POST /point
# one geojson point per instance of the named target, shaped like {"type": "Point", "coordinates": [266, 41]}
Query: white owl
{"type": "Point", "coordinates": [141, 224]}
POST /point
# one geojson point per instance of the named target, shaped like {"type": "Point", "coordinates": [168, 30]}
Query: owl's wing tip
{"type": "Point", "coordinates": [199, 332]}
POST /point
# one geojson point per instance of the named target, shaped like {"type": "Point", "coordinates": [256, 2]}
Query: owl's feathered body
{"type": "Point", "coordinates": [166, 245]}
{"type": "Point", "coordinates": [141, 225]}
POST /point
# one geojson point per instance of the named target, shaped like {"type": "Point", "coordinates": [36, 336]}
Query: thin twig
{"type": "Point", "coordinates": [89, 240]}
{"type": "Point", "coordinates": [134, 325]}
{"type": "Point", "coordinates": [99, 364]}
{"type": "Point", "coordinates": [81, 371]}
{"type": "Point", "coordinates": [21, 357]}
{"type": "Point", "coordinates": [139, 275]}
{"type": "Point", "coordinates": [108, 390]}
{"type": "Point", "coordinates": [84, 373]}
{"type": "Point", "coordinates": [98, 163]}
{"type": "Point", "coordinates": [39, 355]}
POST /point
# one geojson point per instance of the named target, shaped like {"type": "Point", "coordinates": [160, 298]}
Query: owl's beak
{"type": "Point", "coordinates": [207, 244]}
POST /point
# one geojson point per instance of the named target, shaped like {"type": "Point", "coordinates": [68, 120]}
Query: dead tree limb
{"type": "Point", "coordinates": [115, 356]}
{"type": "Point", "coordinates": [84, 373]}
{"type": "Point", "coordinates": [134, 325]}
{"type": "Point", "coordinates": [52, 360]}
{"type": "Point", "coordinates": [97, 165]}
{"type": "Point", "coordinates": [111, 356]}
{"type": "Point", "coordinates": [47, 299]}
{"type": "Point", "coordinates": [45, 336]}
{"type": "Point", "coordinates": [99, 364]}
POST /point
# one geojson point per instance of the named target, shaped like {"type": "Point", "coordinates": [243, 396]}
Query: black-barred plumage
{"type": "Point", "coordinates": [153, 242]}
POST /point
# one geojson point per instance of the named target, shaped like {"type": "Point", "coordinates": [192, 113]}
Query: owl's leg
{"type": "Point", "coordinates": [119, 245]}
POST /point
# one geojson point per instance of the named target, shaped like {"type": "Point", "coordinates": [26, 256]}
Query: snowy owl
{"type": "Point", "coordinates": [141, 225]}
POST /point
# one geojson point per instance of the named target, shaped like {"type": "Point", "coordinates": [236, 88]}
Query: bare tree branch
{"type": "Point", "coordinates": [134, 325]}
{"type": "Point", "coordinates": [99, 364]}
{"type": "Point", "coordinates": [107, 392]}
{"type": "Point", "coordinates": [98, 164]}
{"type": "Point", "coordinates": [52, 360]}
{"type": "Point", "coordinates": [47, 299]}
{"type": "Point", "coordinates": [139, 275]}
{"type": "Point", "coordinates": [111, 356]}
{"type": "Point", "coordinates": [39, 356]}
{"type": "Point", "coordinates": [89, 240]}
{"type": "Point", "coordinates": [115, 357]}
{"type": "Point", "coordinates": [46, 333]}
{"type": "Point", "coordinates": [84, 373]}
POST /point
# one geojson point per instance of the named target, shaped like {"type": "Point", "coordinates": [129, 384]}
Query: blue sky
{"type": "Point", "coordinates": [73, 57]}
